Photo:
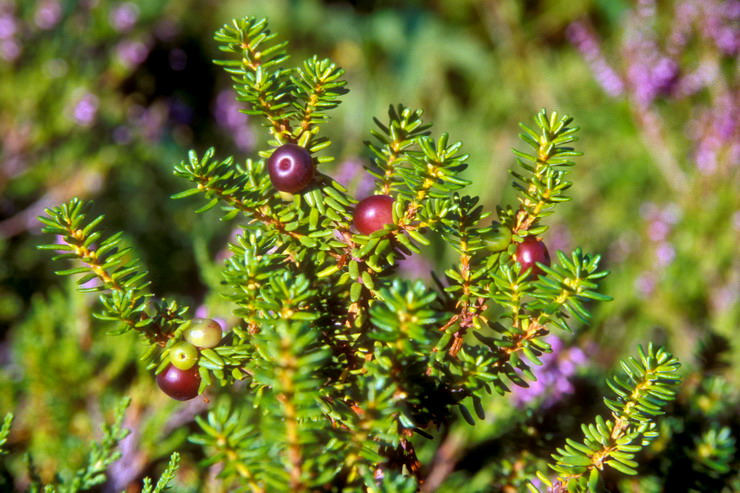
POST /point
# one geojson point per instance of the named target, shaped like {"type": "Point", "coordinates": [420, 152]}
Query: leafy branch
{"type": "Point", "coordinates": [650, 385]}
{"type": "Point", "coordinates": [542, 184]}
{"type": "Point", "coordinates": [125, 298]}
{"type": "Point", "coordinates": [256, 72]}
{"type": "Point", "coordinates": [5, 431]}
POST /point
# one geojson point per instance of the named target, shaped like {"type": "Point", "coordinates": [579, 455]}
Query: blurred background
{"type": "Point", "coordinates": [99, 98]}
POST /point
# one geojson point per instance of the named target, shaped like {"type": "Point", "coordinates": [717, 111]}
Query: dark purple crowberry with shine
{"type": "Point", "coordinates": [291, 168]}
{"type": "Point", "coordinates": [530, 251]}
{"type": "Point", "coordinates": [372, 213]}
{"type": "Point", "coordinates": [181, 385]}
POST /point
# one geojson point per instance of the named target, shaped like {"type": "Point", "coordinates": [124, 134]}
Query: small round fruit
{"type": "Point", "coordinates": [499, 238]}
{"type": "Point", "coordinates": [291, 168]}
{"type": "Point", "coordinates": [530, 251]}
{"type": "Point", "coordinates": [372, 213]}
{"type": "Point", "coordinates": [181, 385]}
{"type": "Point", "coordinates": [183, 355]}
{"type": "Point", "coordinates": [203, 333]}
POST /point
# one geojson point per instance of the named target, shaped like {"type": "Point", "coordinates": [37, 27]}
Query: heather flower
{"type": "Point", "coordinates": [716, 133]}
{"type": "Point", "coordinates": [132, 53]}
{"type": "Point", "coordinates": [665, 253]}
{"type": "Point", "coordinates": [8, 26]}
{"type": "Point", "coordinates": [85, 110]}
{"type": "Point", "coordinates": [719, 23]}
{"type": "Point", "coordinates": [228, 113]}
{"type": "Point", "coordinates": [559, 238]}
{"type": "Point", "coordinates": [350, 172]}
{"type": "Point", "coordinates": [586, 42]}
{"type": "Point", "coordinates": [415, 267]}
{"type": "Point", "coordinates": [48, 14]}
{"type": "Point", "coordinates": [148, 121]}
{"type": "Point", "coordinates": [124, 17]}
{"type": "Point", "coordinates": [9, 49]}
{"type": "Point", "coordinates": [553, 377]}
{"type": "Point", "coordinates": [645, 283]}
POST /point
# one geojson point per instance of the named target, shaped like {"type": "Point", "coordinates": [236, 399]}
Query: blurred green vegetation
{"type": "Point", "coordinates": [92, 106]}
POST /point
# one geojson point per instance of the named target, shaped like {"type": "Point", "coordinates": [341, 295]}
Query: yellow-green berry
{"type": "Point", "coordinates": [204, 333]}
{"type": "Point", "coordinates": [499, 238]}
{"type": "Point", "coordinates": [183, 355]}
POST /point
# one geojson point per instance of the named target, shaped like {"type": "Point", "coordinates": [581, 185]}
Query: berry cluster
{"type": "Point", "coordinates": [291, 170]}
{"type": "Point", "coordinates": [181, 379]}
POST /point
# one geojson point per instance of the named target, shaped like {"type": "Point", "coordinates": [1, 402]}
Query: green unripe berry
{"type": "Point", "coordinates": [183, 355]}
{"type": "Point", "coordinates": [204, 333]}
{"type": "Point", "coordinates": [499, 238]}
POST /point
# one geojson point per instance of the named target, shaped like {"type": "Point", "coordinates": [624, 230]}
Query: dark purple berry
{"type": "Point", "coordinates": [291, 168]}
{"type": "Point", "coordinates": [530, 251]}
{"type": "Point", "coordinates": [372, 213]}
{"type": "Point", "coordinates": [181, 385]}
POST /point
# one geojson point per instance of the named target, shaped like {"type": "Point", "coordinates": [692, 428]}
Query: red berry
{"type": "Point", "coordinates": [181, 385]}
{"type": "Point", "coordinates": [530, 251]}
{"type": "Point", "coordinates": [372, 213]}
{"type": "Point", "coordinates": [291, 168]}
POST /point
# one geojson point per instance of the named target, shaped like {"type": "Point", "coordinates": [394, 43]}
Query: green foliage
{"type": "Point", "coordinates": [4, 431]}
{"type": "Point", "coordinates": [714, 451]}
{"type": "Point", "coordinates": [650, 385]}
{"type": "Point", "coordinates": [125, 299]}
{"type": "Point", "coordinates": [377, 358]}
{"type": "Point", "coordinates": [164, 480]}
{"type": "Point", "coordinates": [101, 455]}
{"type": "Point", "coordinates": [463, 63]}
{"type": "Point", "coordinates": [341, 368]}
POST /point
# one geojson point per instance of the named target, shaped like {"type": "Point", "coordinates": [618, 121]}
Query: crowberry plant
{"type": "Point", "coordinates": [335, 371]}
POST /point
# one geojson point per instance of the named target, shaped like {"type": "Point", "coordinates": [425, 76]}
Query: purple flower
{"type": "Point", "coordinates": [586, 42]}
{"type": "Point", "coordinates": [658, 230]}
{"type": "Point", "coordinates": [9, 50]}
{"type": "Point", "coordinates": [415, 267]}
{"type": "Point", "coordinates": [559, 238]}
{"type": "Point", "coordinates": [228, 113]}
{"type": "Point", "coordinates": [553, 377]}
{"type": "Point", "coordinates": [228, 110]}
{"type": "Point", "coordinates": [645, 283]}
{"type": "Point", "coordinates": [124, 17]}
{"type": "Point", "coordinates": [715, 133]}
{"type": "Point", "coordinates": [48, 14]}
{"type": "Point", "coordinates": [665, 254]}
{"type": "Point", "coordinates": [132, 53]}
{"type": "Point", "coordinates": [8, 26]}
{"type": "Point", "coordinates": [149, 121]}
{"type": "Point", "coordinates": [85, 110]}
{"type": "Point", "coordinates": [665, 74]}
{"type": "Point", "coordinates": [352, 173]}
{"type": "Point", "coordinates": [719, 23]}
